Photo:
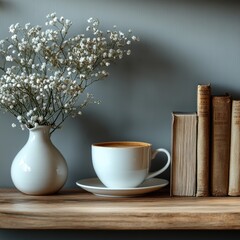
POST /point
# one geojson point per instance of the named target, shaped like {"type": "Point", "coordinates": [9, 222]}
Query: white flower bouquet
{"type": "Point", "coordinates": [45, 72]}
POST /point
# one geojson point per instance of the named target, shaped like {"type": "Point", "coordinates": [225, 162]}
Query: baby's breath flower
{"type": "Point", "coordinates": [9, 58]}
{"type": "Point", "coordinates": [68, 22]}
{"type": "Point", "coordinates": [90, 20]}
{"type": "Point", "coordinates": [128, 52]}
{"type": "Point", "coordinates": [53, 15]}
{"type": "Point", "coordinates": [27, 25]}
{"type": "Point", "coordinates": [47, 71]}
{"type": "Point", "coordinates": [134, 38]}
{"type": "Point", "coordinates": [12, 28]}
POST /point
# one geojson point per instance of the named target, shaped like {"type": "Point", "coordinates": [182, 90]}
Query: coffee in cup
{"type": "Point", "coordinates": [125, 164]}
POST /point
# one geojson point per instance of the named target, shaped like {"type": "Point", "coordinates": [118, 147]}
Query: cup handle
{"type": "Point", "coordinates": [154, 174]}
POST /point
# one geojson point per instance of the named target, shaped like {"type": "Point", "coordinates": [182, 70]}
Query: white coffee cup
{"type": "Point", "coordinates": [125, 164]}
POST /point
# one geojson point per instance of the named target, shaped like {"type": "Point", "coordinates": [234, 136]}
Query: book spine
{"type": "Point", "coordinates": [184, 144]}
{"type": "Point", "coordinates": [234, 168]}
{"type": "Point", "coordinates": [173, 168]}
{"type": "Point", "coordinates": [221, 131]}
{"type": "Point", "coordinates": [203, 139]}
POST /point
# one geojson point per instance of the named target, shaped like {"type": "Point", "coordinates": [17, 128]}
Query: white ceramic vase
{"type": "Point", "coordinates": [39, 168]}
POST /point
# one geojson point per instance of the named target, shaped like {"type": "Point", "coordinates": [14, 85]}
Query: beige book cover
{"type": "Point", "coordinates": [184, 145]}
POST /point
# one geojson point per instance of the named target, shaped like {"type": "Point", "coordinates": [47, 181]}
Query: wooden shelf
{"type": "Point", "coordinates": [75, 209]}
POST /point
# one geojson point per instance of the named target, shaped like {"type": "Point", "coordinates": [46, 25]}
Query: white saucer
{"type": "Point", "coordinates": [95, 186]}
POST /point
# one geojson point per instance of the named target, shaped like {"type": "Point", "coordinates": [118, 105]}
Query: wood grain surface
{"type": "Point", "coordinates": [75, 209]}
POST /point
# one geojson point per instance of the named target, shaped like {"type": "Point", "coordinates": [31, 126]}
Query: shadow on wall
{"type": "Point", "coordinates": [5, 5]}
{"type": "Point", "coordinates": [137, 87]}
{"type": "Point", "coordinates": [133, 112]}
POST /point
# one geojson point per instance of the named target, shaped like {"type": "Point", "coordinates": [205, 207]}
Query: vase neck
{"type": "Point", "coordinates": [42, 132]}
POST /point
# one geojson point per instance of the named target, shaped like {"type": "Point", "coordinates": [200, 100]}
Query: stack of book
{"type": "Point", "coordinates": [206, 147]}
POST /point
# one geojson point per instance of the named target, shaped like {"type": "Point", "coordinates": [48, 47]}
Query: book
{"type": "Point", "coordinates": [184, 146]}
{"type": "Point", "coordinates": [234, 168]}
{"type": "Point", "coordinates": [203, 139]}
{"type": "Point", "coordinates": [221, 132]}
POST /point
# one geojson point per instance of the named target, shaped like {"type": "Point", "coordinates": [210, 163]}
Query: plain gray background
{"type": "Point", "coordinates": [183, 44]}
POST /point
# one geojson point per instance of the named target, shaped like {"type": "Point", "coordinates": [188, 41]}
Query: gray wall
{"type": "Point", "coordinates": [183, 44]}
